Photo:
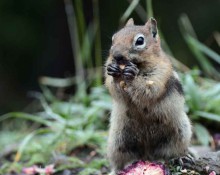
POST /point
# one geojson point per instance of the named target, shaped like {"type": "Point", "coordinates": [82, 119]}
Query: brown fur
{"type": "Point", "coordinates": [148, 119]}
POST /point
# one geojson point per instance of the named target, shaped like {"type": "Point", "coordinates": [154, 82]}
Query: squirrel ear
{"type": "Point", "coordinates": [152, 23]}
{"type": "Point", "coordinates": [130, 22]}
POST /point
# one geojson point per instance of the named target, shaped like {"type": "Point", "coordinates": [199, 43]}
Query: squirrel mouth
{"type": "Point", "coordinates": [120, 60]}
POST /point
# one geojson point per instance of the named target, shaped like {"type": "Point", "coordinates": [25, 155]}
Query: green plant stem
{"type": "Point", "coordinates": [80, 75]}
{"type": "Point", "coordinates": [98, 55]}
{"type": "Point", "coordinates": [87, 46]}
{"type": "Point", "coordinates": [149, 8]}
{"type": "Point", "coordinates": [80, 18]}
{"type": "Point", "coordinates": [140, 11]}
{"type": "Point", "coordinates": [128, 11]}
{"type": "Point", "coordinates": [57, 82]}
{"type": "Point", "coordinates": [25, 116]}
{"type": "Point", "coordinates": [198, 49]}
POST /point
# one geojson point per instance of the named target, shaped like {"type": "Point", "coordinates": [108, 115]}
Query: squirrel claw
{"type": "Point", "coordinates": [113, 70]}
{"type": "Point", "coordinates": [130, 71]}
{"type": "Point", "coordinates": [183, 161]}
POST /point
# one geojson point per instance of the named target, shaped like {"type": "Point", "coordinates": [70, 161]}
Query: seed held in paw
{"type": "Point", "coordinates": [149, 82]}
{"type": "Point", "coordinates": [122, 66]}
{"type": "Point", "coordinates": [123, 85]}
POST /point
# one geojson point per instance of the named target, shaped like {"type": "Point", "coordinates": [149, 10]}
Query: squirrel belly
{"type": "Point", "coordinates": [147, 120]}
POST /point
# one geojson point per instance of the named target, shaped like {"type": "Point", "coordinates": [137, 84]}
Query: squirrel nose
{"type": "Point", "coordinates": [118, 57]}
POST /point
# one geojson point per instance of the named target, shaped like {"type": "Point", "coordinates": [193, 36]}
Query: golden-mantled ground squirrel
{"type": "Point", "coordinates": [148, 121]}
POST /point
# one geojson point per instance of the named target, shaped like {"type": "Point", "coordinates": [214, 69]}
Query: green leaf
{"type": "Point", "coordinates": [197, 48]}
{"type": "Point", "coordinates": [25, 116]}
{"type": "Point", "coordinates": [25, 142]}
{"type": "Point", "coordinates": [208, 115]}
{"type": "Point", "coordinates": [97, 163]}
{"type": "Point", "coordinates": [89, 171]}
{"type": "Point", "coordinates": [192, 92]}
{"type": "Point", "coordinates": [202, 134]}
{"type": "Point", "coordinates": [213, 55]}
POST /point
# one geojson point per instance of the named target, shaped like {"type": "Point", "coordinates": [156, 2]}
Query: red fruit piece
{"type": "Point", "coordinates": [145, 168]}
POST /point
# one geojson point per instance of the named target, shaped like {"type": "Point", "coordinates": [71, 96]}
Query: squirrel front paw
{"type": "Point", "coordinates": [114, 70]}
{"type": "Point", "coordinates": [130, 71]}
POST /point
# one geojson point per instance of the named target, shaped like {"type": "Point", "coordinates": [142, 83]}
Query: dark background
{"type": "Point", "coordinates": [35, 39]}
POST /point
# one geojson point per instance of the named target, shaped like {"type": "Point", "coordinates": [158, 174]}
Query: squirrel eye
{"type": "Point", "coordinates": [139, 42]}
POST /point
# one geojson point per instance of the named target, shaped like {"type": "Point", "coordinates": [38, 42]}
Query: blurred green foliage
{"type": "Point", "coordinates": [64, 126]}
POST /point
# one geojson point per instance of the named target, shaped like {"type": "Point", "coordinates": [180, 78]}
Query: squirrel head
{"type": "Point", "coordinates": [135, 43]}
